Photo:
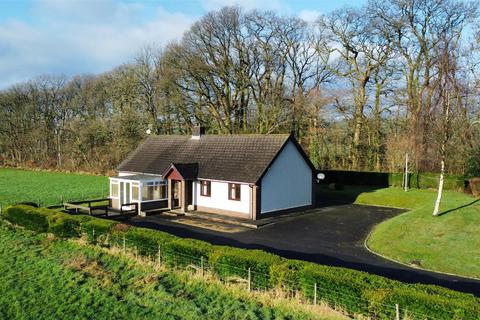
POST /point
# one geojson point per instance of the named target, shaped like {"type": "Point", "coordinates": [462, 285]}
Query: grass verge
{"type": "Point", "coordinates": [448, 243]}
{"type": "Point", "coordinates": [45, 278]}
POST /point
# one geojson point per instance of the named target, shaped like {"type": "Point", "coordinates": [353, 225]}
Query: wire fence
{"type": "Point", "coordinates": [254, 281]}
{"type": "Point", "coordinates": [55, 200]}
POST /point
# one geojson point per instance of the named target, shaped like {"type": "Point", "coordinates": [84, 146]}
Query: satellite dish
{"type": "Point", "coordinates": [149, 131]}
{"type": "Point", "coordinates": [320, 176]}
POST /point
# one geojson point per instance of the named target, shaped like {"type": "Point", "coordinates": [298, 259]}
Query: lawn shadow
{"type": "Point", "coordinates": [326, 197]}
{"type": "Point", "coordinates": [458, 208]}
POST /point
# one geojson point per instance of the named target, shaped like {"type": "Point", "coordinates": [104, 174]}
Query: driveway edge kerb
{"type": "Point", "coordinates": [405, 264]}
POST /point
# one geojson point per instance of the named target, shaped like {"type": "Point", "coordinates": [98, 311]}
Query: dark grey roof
{"type": "Point", "coordinates": [189, 171]}
{"type": "Point", "coordinates": [242, 158]}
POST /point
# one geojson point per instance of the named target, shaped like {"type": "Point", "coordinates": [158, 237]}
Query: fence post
{"type": "Point", "coordinates": [397, 312]}
{"type": "Point", "coordinates": [249, 280]}
{"type": "Point", "coordinates": [315, 294]}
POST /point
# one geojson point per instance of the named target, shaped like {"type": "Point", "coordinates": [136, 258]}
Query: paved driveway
{"type": "Point", "coordinates": [331, 235]}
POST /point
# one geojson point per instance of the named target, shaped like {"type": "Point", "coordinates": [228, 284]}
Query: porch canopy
{"type": "Point", "coordinates": [180, 177]}
{"type": "Point", "coordinates": [139, 188]}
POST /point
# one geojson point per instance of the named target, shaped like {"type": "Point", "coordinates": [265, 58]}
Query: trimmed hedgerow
{"type": "Point", "coordinates": [339, 286]}
{"type": "Point", "coordinates": [417, 302]}
{"type": "Point", "coordinates": [63, 225]}
{"type": "Point", "coordinates": [229, 261]}
{"type": "Point", "coordinates": [354, 291]}
{"type": "Point", "coordinates": [183, 252]}
{"type": "Point", "coordinates": [28, 217]}
{"type": "Point", "coordinates": [94, 227]}
{"type": "Point", "coordinates": [146, 241]}
{"type": "Point", "coordinates": [43, 220]}
{"type": "Point", "coordinates": [287, 274]}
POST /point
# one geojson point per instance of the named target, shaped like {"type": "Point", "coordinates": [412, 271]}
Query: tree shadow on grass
{"type": "Point", "coordinates": [346, 195]}
{"type": "Point", "coordinates": [458, 208]}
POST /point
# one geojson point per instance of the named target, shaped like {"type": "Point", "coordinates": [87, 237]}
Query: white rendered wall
{"type": "Point", "coordinates": [288, 182]}
{"type": "Point", "coordinates": [219, 198]}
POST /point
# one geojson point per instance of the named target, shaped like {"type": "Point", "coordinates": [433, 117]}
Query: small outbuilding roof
{"type": "Point", "coordinates": [238, 158]}
{"type": "Point", "coordinates": [139, 177]}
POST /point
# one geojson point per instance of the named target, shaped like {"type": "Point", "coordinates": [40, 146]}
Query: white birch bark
{"type": "Point", "coordinates": [436, 209]}
{"type": "Point", "coordinates": [446, 122]}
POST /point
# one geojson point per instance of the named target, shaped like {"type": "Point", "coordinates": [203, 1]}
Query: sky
{"type": "Point", "coordinates": [69, 37]}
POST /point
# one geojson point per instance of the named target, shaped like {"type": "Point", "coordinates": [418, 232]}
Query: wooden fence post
{"type": "Point", "coordinates": [159, 256]}
{"type": "Point", "coordinates": [249, 280]}
{"type": "Point", "coordinates": [315, 294]}
{"type": "Point", "coordinates": [397, 312]}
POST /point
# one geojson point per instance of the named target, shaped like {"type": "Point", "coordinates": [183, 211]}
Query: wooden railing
{"type": "Point", "coordinates": [135, 204]}
{"type": "Point", "coordinates": [79, 205]}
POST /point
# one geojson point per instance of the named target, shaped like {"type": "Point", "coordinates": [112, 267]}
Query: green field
{"type": "Point", "coordinates": [44, 278]}
{"type": "Point", "coordinates": [48, 188]}
{"type": "Point", "coordinates": [447, 243]}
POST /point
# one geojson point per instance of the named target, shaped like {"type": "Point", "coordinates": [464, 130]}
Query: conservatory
{"type": "Point", "coordinates": [138, 192]}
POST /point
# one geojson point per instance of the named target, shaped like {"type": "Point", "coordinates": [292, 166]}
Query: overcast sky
{"type": "Point", "coordinates": [92, 36]}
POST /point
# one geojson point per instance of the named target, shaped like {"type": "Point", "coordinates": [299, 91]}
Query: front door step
{"type": "Point", "coordinates": [253, 224]}
{"type": "Point", "coordinates": [174, 213]}
{"type": "Point", "coordinates": [210, 225]}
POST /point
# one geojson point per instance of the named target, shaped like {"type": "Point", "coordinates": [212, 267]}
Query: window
{"type": "Point", "coordinates": [135, 192]}
{"type": "Point", "coordinates": [205, 188]}
{"type": "Point", "coordinates": [234, 191]}
{"type": "Point", "coordinates": [156, 190]}
{"type": "Point", "coordinates": [114, 189]}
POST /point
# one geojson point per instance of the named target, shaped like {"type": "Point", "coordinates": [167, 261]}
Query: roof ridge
{"type": "Point", "coordinates": [239, 157]}
{"type": "Point", "coordinates": [223, 135]}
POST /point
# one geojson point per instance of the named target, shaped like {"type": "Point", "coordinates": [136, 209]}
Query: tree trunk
{"type": "Point", "coordinates": [436, 209]}
{"type": "Point", "coordinates": [446, 122]}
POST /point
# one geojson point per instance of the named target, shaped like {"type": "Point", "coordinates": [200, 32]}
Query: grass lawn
{"type": "Point", "coordinates": [447, 243]}
{"type": "Point", "coordinates": [44, 278]}
{"type": "Point", "coordinates": [48, 188]}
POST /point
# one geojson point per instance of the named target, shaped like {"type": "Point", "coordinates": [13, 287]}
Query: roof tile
{"type": "Point", "coordinates": [241, 158]}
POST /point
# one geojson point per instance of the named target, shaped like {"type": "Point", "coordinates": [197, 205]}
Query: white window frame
{"type": "Point", "coordinates": [153, 184]}
{"type": "Point", "coordinates": [137, 185]}
{"type": "Point", "coordinates": [112, 182]}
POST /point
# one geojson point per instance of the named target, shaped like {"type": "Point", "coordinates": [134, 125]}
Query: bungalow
{"type": "Point", "coordinates": [246, 176]}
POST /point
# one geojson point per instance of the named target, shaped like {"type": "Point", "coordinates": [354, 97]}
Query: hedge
{"type": "Point", "coordinates": [339, 286]}
{"type": "Point", "coordinates": [229, 261]}
{"type": "Point", "coordinates": [384, 179]}
{"type": "Point", "coordinates": [28, 217]}
{"type": "Point", "coordinates": [183, 252]}
{"type": "Point", "coordinates": [63, 225]}
{"type": "Point", "coordinates": [355, 291]}
{"type": "Point", "coordinates": [146, 241]}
